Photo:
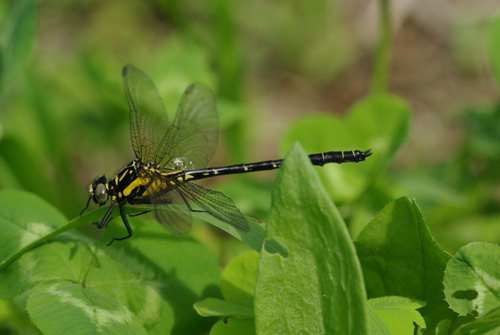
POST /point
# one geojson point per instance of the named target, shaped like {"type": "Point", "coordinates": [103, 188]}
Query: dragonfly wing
{"type": "Point", "coordinates": [173, 201]}
{"type": "Point", "coordinates": [172, 213]}
{"type": "Point", "coordinates": [215, 203]}
{"type": "Point", "coordinates": [148, 117]}
{"type": "Point", "coordinates": [169, 207]}
{"type": "Point", "coordinates": [191, 141]}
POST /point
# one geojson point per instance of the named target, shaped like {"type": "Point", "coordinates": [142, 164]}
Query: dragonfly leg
{"type": "Point", "coordinates": [127, 225]}
{"type": "Point", "coordinates": [87, 206]}
{"type": "Point", "coordinates": [106, 217]}
{"type": "Point", "coordinates": [140, 213]}
{"type": "Point", "coordinates": [142, 201]}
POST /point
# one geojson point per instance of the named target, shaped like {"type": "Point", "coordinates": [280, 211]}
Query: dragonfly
{"type": "Point", "coordinates": [169, 157]}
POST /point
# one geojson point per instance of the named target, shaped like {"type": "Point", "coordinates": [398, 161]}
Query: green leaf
{"type": "Point", "coordinates": [472, 279]}
{"type": "Point", "coordinates": [488, 323]}
{"type": "Point", "coordinates": [29, 221]}
{"type": "Point", "coordinates": [398, 313]}
{"type": "Point", "coordinates": [318, 287]}
{"type": "Point", "coordinates": [66, 308]}
{"type": "Point", "coordinates": [377, 325]}
{"type": "Point", "coordinates": [379, 122]}
{"type": "Point", "coordinates": [238, 279]}
{"type": "Point", "coordinates": [182, 270]}
{"type": "Point", "coordinates": [400, 257]}
{"type": "Point", "coordinates": [234, 326]}
{"type": "Point", "coordinates": [219, 307]}
{"type": "Point", "coordinates": [18, 33]}
{"type": "Point", "coordinates": [254, 238]}
{"type": "Point", "coordinates": [24, 219]}
{"type": "Point", "coordinates": [157, 277]}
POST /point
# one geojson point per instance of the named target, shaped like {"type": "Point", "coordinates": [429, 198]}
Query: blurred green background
{"type": "Point", "coordinates": [275, 67]}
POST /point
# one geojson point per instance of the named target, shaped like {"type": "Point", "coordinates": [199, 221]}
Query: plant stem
{"type": "Point", "coordinates": [380, 74]}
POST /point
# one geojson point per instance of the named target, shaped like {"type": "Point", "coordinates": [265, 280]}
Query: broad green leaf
{"type": "Point", "coordinates": [318, 287]}
{"type": "Point", "coordinates": [28, 221]}
{"type": "Point", "coordinates": [24, 218]}
{"type": "Point", "coordinates": [233, 327]}
{"type": "Point", "coordinates": [67, 308]}
{"type": "Point", "coordinates": [488, 323]}
{"type": "Point", "coordinates": [50, 261]}
{"type": "Point", "coordinates": [400, 257]}
{"type": "Point", "coordinates": [157, 277]}
{"type": "Point", "coordinates": [17, 37]}
{"type": "Point", "coordinates": [238, 279]}
{"type": "Point", "coordinates": [398, 313]}
{"type": "Point", "coordinates": [472, 279]}
{"type": "Point", "coordinates": [181, 269]}
{"type": "Point", "coordinates": [379, 122]}
{"type": "Point", "coordinates": [219, 307]}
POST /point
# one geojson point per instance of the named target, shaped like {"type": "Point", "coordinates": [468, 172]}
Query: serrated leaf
{"type": "Point", "coordinates": [361, 129]}
{"type": "Point", "coordinates": [318, 287]}
{"type": "Point", "coordinates": [398, 313]}
{"type": "Point", "coordinates": [400, 257]}
{"type": "Point", "coordinates": [472, 279]}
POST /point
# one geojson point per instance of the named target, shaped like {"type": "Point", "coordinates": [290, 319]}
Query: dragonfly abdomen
{"type": "Point", "coordinates": [316, 159]}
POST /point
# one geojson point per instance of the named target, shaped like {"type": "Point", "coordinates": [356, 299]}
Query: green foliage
{"type": "Point", "coordinates": [329, 288]}
{"type": "Point", "coordinates": [358, 129]}
{"type": "Point", "coordinates": [144, 286]}
{"type": "Point", "coordinates": [394, 315]}
{"type": "Point", "coordinates": [16, 38]}
{"type": "Point", "coordinates": [64, 119]}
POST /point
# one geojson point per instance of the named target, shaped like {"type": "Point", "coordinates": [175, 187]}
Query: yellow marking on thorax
{"type": "Point", "coordinates": [132, 186]}
{"type": "Point", "coordinates": [188, 176]}
{"type": "Point", "coordinates": [121, 177]}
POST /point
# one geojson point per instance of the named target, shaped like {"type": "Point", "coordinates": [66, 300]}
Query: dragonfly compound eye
{"type": "Point", "coordinates": [101, 193]}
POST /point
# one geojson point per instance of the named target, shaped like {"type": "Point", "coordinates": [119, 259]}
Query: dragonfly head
{"type": "Point", "coordinates": [98, 190]}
